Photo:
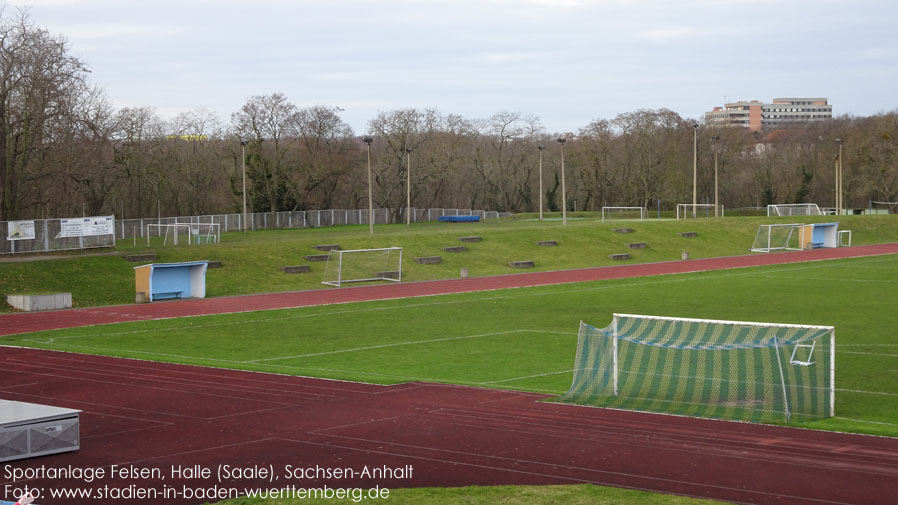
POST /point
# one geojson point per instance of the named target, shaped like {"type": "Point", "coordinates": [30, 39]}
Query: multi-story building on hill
{"type": "Point", "coordinates": [781, 113]}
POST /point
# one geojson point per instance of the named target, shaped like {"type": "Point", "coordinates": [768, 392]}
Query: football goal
{"type": "Point", "coordinates": [363, 265]}
{"type": "Point", "coordinates": [168, 231]}
{"type": "Point", "coordinates": [619, 213]}
{"type": "Point", "coordinates": [758, 372]}
{"type": "Point", "coordinates": [777, 237]}
{"type": "Point", "coordinates": [196, 233]}
{"type": "Point", "coordinates": [884, 207]}
{"type": "Point", "coordinates": [688, 210]}
{"type": "Point", "coordinates": [793, 209]}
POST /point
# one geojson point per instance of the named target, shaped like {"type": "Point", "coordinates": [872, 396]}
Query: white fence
{"type": "Point", "coordinates": [46, 229]}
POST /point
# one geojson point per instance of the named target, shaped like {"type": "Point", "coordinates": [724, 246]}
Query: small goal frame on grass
{"type": "Point", "coordinates": [192, 230]}
{"type": "Point", "coordinates": [776, 237]}
{"type": "Point", "coordinates": [608, 211]}
{"type": "Point", "coordinates": [684, 210]}
{"type": "Point", "coordinates": [793, 209]}
{"type": "Point", "coordinates": [387, 266]}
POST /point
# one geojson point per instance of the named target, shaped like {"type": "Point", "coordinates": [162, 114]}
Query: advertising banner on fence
{"type": "Point", "coordinates": [86, 226]}
{"type": "Point", "coordinates": [20, 230]}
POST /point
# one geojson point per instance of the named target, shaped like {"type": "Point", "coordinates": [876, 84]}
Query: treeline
{"type": "Point", "coordinates": [64, 151]}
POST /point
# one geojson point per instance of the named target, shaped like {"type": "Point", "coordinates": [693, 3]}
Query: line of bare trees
{"type": "Point", "coordinates": [65, 150]}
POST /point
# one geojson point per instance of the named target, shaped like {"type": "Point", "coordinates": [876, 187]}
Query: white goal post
{"type": "Point", "coordinates": [776, 237]}
{"type": "Point", "coordinates": [169, 229]}
{"type": "Point", "coordinates": [793, 209]}
{"type": "Point", "coordinates": [688, 210]}
{"type": "Point", "coordinates": [363, 265]}
{"type": "Point", "coordinates": [615, 213]}
{"type": "Point", "coordinates": [198, 233]}
{"type": "Point", "coordinates": [747, 371]}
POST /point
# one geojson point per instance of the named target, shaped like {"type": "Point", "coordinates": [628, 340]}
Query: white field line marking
{"type": "Point", "coordinates": [450, 302]}
{"type": "Point", "coordinates": [528, 377]}
{"type": "Point", "coordinates": [382, 346]}
{"type": "Point", "coordinates": [345, 312]}
{"type": "Point", "coordinates": [445, 302]}
{"type": "Point", "coordinates": [829, 279]}
{"type": "Point", "coordinates": [870, 354]}
{"type": "Point", "coordinates": [881, 393]}
{"type": "Point", "coordinates": [864, 421]}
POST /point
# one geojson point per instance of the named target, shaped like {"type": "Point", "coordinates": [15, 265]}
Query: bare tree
{"type": "Point", "coordinates": [267, 122]}
{"type": "Point", "coordinates": [39, 81]}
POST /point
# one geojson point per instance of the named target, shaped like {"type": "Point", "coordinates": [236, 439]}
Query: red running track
{"type": "Point", "coordinates": [157, 416]}
{"type": "Point", "coordinates": [33, 321]}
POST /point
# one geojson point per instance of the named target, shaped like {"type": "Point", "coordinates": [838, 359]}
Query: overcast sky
{"type": "Point", "coordinates": [566, 61]}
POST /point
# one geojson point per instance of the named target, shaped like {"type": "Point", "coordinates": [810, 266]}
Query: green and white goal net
{"type": "Point", "coordinates": [759, 372]}
{"type": "Point", "coordinates": [363, 265]}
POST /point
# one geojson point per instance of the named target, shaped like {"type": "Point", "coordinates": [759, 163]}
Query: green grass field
{"type": "Point", "coordinates": [521, 339]}
{"type": "Point", "coordinates": [251, 261]}
{"type": "Point", "coordinates": [526, 338]}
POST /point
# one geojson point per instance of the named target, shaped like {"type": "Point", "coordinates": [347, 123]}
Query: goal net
{"type": "Point", "coordinates": [363, 265]}
{"type": "Point", "coordinates": [169, 232]}
{"type": "Point", "coordinates": [794, 209]}
{"type": "Point", "coordinates": [205, 233]}
{"type": "Point", "coordinates": [777, 237]}
{"type": "Point", "coordinates": [884, 207]}
{"type": "Point", "coordinates": [759, 372]}
{"type": "Point", "coordinates": [620, 213]}
{"type": "Point", "coordinates": [689, 211]}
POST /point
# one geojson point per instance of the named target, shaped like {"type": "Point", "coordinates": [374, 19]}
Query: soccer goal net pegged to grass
{"type": "Point", "coordinates": [363, 265]}
{"type": "Point", "coordinates": [620, 213]}
{"type": "Point", "coordinates": [689, 211]}
{"type": "Point", "coordinates": [777, 237]}
{"type": "Point", "coordinates": [794, 209]}
{"type": "Point", "coordinates": [759, 372]}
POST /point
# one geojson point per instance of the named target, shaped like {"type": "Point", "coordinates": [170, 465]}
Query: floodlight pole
{"type": "Point", "coordinates": [715, 139]}
{"type": "Point", "coordinates": [839, 181]}
{"type": "Point", "coordinates": [540, 181]}
{"type": "Point", "coordinates": [408, 186]}
{"type": "Point", "coordinates": [243, 159]}
{"type": "Point", "coordinates": [836, 178]}
{"type": "Point", "coordinates": [694, 167]}
{"type": "Point", "coordinates": [367, 141]}
{"type": "Point", "coordinates": [563, 191]}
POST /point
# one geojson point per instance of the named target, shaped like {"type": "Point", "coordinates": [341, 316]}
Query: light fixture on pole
{"type": "Point", "coordinates": [541, 148]}
{"type": "Point", "coordinates": [408, 185]}
{"type": "Point", "coordinates": [563, 193]}
{"type": "Point", "coordinates": [715, 139]}
{"type": "Point", "coordinates": [243, 158]}
{"type": "Point", "coordinates": [839, 180]}
{"type": "Point", "coordinates": [368, 140]}
{"type": "Point", "coordinates": [694, 167]}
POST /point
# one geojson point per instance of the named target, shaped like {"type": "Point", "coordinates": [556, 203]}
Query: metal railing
{"type": "Point", "coordinates": [45, 230]}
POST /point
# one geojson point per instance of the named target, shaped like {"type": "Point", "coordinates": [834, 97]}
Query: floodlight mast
{"type": "Point", "coordinates": [561, 141]}
{"type": "Point", "coordinates": [243, 159]}
{"type": "Point", "coordinates": [367, 141]}
{"type": "Point", "coordinates": [839, 179]}
{"type": "Point", "coordinates": [694, 167]}
{"type": "Point", "coordinates": [541, 148]}
{"type": "Point", "coordinates": [715, 139]}
{"type": "Point", "coordinates": [408, 186]}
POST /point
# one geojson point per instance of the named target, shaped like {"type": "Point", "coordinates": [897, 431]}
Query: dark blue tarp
{"type": "Point", "coordinates": [459, 219]}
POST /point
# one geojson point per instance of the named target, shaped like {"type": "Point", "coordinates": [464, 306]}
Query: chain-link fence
{"type": "Point", "coordinates": [46, 230]}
